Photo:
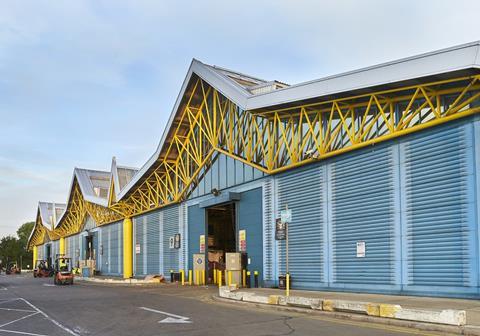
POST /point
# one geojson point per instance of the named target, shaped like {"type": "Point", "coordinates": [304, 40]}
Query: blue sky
{"type": "Point", "coordinates": [82, 81]}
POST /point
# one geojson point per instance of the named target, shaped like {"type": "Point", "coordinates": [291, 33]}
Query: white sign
{"type": "Point", "coordinates": [171, 242]}
{"type": "Point", "coordinates": [360, 249]}
{"type": "Point", "coordinates": [286, 216]}
{"type": "Point", "coordinates": [137, 249]}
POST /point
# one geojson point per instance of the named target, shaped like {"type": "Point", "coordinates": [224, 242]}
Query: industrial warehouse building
{"type": "Point", "coordinates": [379, 167]}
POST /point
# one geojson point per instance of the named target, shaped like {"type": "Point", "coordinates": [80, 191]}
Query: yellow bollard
{"type": "Point", "coordinates": [190, 275]}
{"type": "Point", "coordinates": [214, 276]}
{"type": "Point", "coordinates": [244, 278]}
{"type": "Point", "coordinates": [229, 278]}
{"type": "Point", "coordinates": [182, 273]}
{"type": "Point", "coordinates": [197, 276]}
{"type": "Point", "coordinates": [288, 284]}
{"type": "Point", "coordinates": [203, 277]}
{"type": "Point", "coordinates": [219, 277]}
{"type": "Point", "coordinates": [249, 279]}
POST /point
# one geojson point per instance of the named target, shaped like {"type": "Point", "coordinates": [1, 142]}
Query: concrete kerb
{"type": "Point", "coordinates": [119, 281]}
{"type": "Point", "coordinates": [382, 311]}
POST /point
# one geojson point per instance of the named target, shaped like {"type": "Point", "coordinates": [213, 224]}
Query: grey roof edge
{"type": "Point", "coordinates": [227, 87]}
{"type": "Point", "coordinates": [445, 60]}
{"type": "Point", "coordinates": [89, 198]}
{"type": "Point", "coordinates": [41, 214]}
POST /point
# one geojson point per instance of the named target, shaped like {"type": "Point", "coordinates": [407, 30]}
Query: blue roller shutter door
{"type": "Point", "coordinates": [140, 265]}
{"type": "Point", "coordinates": [153, 255]}
{"type": "Point", "coordinates": [105, 269]}
{"type": "Point", "coordinates": [171, 220]}
{"type": "Point", "coordinates": [196, 227]}
{"type": "Point", "coordinates": [440, 211]}
{"type": "Point", "coordinates": [116, 251]}
{"type": "Point", "coordinates": [112, 242]}
{"type": "Point", "coordinates": [362, 203]}
{"type": "Point", "coordinates": [302, 192]}
{"type": "Point", "coordinates": [250, 216]}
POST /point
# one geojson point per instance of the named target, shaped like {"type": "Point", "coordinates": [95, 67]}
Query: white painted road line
{"type": "Point", "coordinates": [172, 318]}
{"type": "Point", "coordinates": [21, 332]}
{"type": "Point", "coordinates": [18, 310]}
{"type": "Point", "coordinates": [58, 324]}
{"type": "Point", "coordinates": [19, 319]}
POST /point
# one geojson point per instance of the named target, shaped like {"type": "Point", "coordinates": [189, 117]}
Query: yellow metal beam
{"type": "Point", "coordinates": [271, 141]}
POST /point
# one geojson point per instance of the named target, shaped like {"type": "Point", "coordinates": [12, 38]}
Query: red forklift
{"type": "Point", "coordinates": [42, 269]}
{"type": "Point", "coordinates": [63, 271]}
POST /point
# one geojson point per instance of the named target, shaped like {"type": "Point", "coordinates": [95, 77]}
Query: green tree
{"type": "Point", "coordinates": [10, 250]}
{"type": "Point", "coordinates": [23, 234]}
{"type": "Point", "coordinates": [13, 249]}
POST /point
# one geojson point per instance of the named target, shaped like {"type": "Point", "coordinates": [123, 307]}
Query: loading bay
{"type": "Point", "coordinates": [36, 307]}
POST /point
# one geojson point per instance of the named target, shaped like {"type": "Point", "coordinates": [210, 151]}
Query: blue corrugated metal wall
{"type": "Point", "coordinates": [439, 219]}
{"type": "Point", "coordinates": [362, 211]}
{"type": "Point", "coordinates": [171, 216]}
{"type": "Point", "coordinates": [302, 192]}
{"type": "Point", "coordinates": [413, 201]}
{"type": "Point", "coordinates": [112, 248]}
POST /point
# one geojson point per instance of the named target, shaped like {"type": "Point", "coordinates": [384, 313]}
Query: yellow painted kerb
{"type": "Point", "coordinates": [127, 248]}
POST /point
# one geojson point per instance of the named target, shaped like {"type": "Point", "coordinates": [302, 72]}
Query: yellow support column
{"type": "Point", "coordinates": [35, 255]}
{"type": "Point", "coordinates": [62, 245]}
{"type": "Point", "coordinates": [127, 248]}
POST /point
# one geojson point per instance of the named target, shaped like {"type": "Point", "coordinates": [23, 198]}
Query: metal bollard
{"type": "Point", "coordinates": [214, 276]}
{"type": "Point", "coordinates": [190, 275]}
{"type": "Point", "coordinates": [255, 275]}
{"type": "Point", "coordinates": [197, 277]}
{"type": "Point", "coordinates": [219, 277]}
{"type": "Point", "coordinates": [244, 278]}
{"type": "Point", "coordinates": [182, 273]}
{"type": "Point", "coordinates": [248, 279]}
{"type": "Point", "coordinates": [288, 284]}
{"type": "Point", "coordinates": [203, 277]}
{"type": "Point", "coordinates": [229, 278]}
{"type": "Point", "coordinates": [171, 276]}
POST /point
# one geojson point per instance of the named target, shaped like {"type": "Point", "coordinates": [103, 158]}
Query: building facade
{"type": "Point", "coordinates": [379, 168]}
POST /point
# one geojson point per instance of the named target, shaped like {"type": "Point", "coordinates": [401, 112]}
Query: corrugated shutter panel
{"type": "Point", "coordinates": [302, 191]}
{"type": "Point", "coordinates": [437, 208]}
{"type": "Point", "coordinates": [153, 243]}
{"type": "Point", "coordinates": [139, 240]}
{"type": "Point", "coordinates": [362, 196]}
{"type": "Point", "coordinates": [268, 224]}
{"type": "Point", "coordinates": [170, 228]}
{"type": "Point", "coordinates": [106, 241]}
{"type": "Point", "coordinates": [116, 252]}
{"type": "Point", "coordinates": [40, 252]}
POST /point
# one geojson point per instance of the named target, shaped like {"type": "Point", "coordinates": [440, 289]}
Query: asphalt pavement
{"type": "Point", "coordinates": [36, 307]}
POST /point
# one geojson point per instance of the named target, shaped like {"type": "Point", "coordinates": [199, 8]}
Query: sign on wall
{"type": "Point", "coordinates": [242, 240]}
{"type": "Point", "coordinates": [177, 241]}
{"type": "Point", "coordinates": [361, 249]}
{"type": "Point", "coordinates": [280, 229]}
{"type": "Point", "coordinates": [171, 242]}
{"type": "Point", "coordinates": [137, 249]}
{"type": "Point", "coordinates": [202, 243]}
{"type": "Point", "coordinates": [286, 216]}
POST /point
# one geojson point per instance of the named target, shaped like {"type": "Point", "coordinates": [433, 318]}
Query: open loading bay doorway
{"type": "Point", "coordinates": [221, 236]}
